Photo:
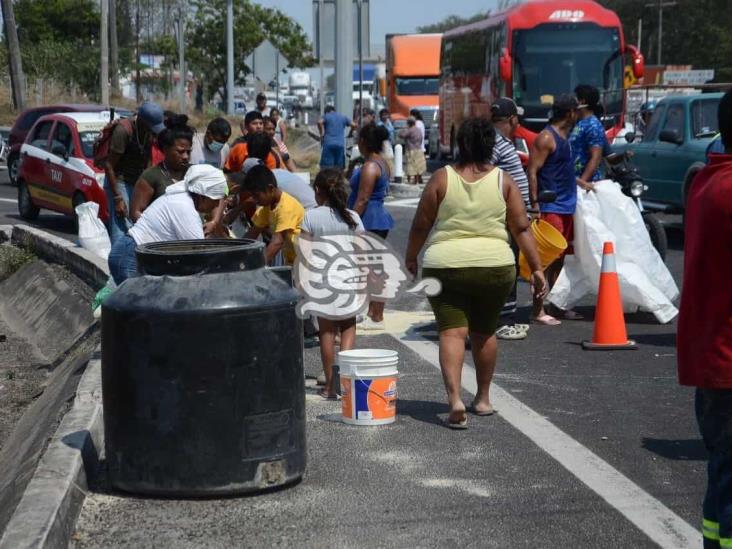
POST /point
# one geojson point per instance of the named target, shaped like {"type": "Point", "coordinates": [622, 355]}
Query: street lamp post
{"type": "Point", "coordinates": [229, 57]}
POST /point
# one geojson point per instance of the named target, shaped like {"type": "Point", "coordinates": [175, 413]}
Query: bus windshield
{"type": "Point", "coordinates": [418, 85]}
{"type": "Point", "coordinates": [552, 59]}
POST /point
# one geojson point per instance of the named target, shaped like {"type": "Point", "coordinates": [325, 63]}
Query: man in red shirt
{"type": "Point", "coordinates": [705, 326]}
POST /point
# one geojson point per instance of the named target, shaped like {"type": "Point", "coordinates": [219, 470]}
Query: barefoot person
{"type": "Point", "coordinates": [332, 217]}
{"type": "Point", "coordinates": [472, 206]}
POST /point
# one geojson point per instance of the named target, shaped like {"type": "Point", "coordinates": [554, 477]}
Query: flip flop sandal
{"type": "Point", "coordinates": [325, 396]}
{"type": "Point", "coordinates": [547, 320]}
{"type": "Point", "coordinates": [510, 333]}
{"type": "Point", "coordinates": [522, 327]}
{"type": "Point", "coordinates": [573, 315]}
{"type": "Point", "coordinates": [482, 413]}
{"type": "Point", "coordinates": [458, 425]}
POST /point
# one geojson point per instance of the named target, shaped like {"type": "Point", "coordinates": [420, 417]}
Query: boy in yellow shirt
{"type": "Point", "coordinates": [278, 212]}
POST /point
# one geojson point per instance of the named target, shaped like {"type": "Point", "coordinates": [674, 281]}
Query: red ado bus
{"type": "Point", "coordinates": [533, 52]}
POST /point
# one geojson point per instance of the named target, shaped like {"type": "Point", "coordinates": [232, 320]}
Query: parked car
{"type": "Point", "coordinates": [57, 170]}
{"type": "Point", "coordinates": [673, 148]}
{"type": "Point", "coordinates": [28, 117]}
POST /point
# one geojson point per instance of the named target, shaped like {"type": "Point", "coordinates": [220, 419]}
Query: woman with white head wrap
{"type": "Point", "coordinates": [173, 216]}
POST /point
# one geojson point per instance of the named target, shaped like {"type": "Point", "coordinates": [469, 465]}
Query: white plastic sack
{"type": "Point", "coordinates": [607, 215]}
{"type": "Point", "coordinates": [92, 232]}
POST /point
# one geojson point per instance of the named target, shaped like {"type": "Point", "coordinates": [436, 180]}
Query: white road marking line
{"type": "Point", "coordinates": [403, 202]}
{"type": "Point", "coordinates": [652, 517]}
{"type": "Point", "coordinates": [11, 200]}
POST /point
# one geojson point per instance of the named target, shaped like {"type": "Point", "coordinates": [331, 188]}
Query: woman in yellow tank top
{"type": "Point", "coordinates": [471, 206]}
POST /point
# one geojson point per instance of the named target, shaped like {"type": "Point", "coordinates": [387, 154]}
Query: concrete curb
{"type": "Point", "coordinates": [404, 190]}
{"type": "Point", "coordinates": [91, 268]}
{"type": "Point", "coordinates": [47, 513]}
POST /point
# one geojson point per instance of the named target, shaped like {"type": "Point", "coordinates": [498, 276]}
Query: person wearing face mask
{"type": "Point", "coordinates": [212, 148]}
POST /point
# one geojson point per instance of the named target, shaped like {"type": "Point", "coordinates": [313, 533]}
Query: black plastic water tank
{"type": "Point", "coordinates": [202, 373]}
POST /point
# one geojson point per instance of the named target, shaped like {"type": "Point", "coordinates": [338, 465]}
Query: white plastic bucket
{"type": "Point", "coordinates": [369, 386]}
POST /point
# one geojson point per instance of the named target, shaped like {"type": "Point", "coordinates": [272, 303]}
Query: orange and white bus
{"type": "Point", "coordinates": [533, 52]}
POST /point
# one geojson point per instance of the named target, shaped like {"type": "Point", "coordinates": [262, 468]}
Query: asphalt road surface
{"type": "Point", "coordinates": [586, 450]}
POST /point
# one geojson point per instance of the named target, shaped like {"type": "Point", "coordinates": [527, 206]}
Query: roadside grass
{"type": "Point", "coordinates": [12, 259]}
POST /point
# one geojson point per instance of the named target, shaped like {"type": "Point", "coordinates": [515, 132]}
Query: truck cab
{"type": "Point", "coordinates": [673, 148]}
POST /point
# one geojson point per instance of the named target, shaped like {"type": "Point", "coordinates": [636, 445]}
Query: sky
{"type": "Point", "coordinates": [389, 16]}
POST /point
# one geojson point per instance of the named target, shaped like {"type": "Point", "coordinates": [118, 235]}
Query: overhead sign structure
{"type": "Point", "coordinates": [688, 77]}
{"type": "Point", "coordinates": [324, 42]}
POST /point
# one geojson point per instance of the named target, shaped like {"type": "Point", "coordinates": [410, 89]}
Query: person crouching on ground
{"type": "Point", "coordinates": [471, 207]}
{"type": "Point", "coordinates": [332, 217]}
{"type": "Point", "coordinates": [173, 216]}
{"type": "Point", "coordinates": [705, 326]}
{"type": "Point", "coordinates": [278, 212]}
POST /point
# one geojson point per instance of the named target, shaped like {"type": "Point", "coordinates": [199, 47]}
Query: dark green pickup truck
{"type": "Point", "coordinates": [673, 149]}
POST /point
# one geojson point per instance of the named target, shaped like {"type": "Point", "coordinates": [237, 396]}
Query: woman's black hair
{"type": "Point", "coordinates": [590, 96]}
{"type": "Point", "coordinates": [274, 109]}
{"type": "Point", "coordinates": [373, 137]}
{"type": "Point", "coordinates": [219, 127]}
{"type": "Point", "coordinates": [330, 183]}
{"type": "Point", "coordinates": [176, 127]}
{"type": "Point", "coordinates": [475, 139]}
{"type": "Point", "coordinates": [416, 114]}
{"type": "Point", "coordinates": [259, 178]}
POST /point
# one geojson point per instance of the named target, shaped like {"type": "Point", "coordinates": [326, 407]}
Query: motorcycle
{"type": "Point", "coordinates": [624, 173]}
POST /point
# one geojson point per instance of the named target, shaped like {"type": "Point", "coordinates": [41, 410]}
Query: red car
{"type": "Point", "coordinates": [25, 122]}
{"type": "Point", "coordinates": [57, 169]}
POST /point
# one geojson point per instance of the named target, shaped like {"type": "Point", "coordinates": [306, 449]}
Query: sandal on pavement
{"type": "Point", "coordinates": [460, 424]}
{"type": "Point", "coordinates": [547, 320]}
{"type": "Point", "coordinates": [325, 396]}
{"type": "Point", "coordinates": [487, 412]}
{"type": "Point", "coordinates": [510, 333]}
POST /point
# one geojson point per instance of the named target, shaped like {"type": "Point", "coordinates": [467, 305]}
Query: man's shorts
{"type": "Point", "coordinates": [564, 223]}
{"type": "Point", "coordinates": [333, 156]}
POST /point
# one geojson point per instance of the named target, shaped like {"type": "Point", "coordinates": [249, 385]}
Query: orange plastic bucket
{"type": "Point", "coordinates": [549, 243]}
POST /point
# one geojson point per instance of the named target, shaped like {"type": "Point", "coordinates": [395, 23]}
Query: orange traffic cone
{"type": "Point", "coordinates": [610, 333]}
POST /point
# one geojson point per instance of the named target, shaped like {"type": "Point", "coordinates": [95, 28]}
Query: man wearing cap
{"type": "Point", "coordinates": [551, 168]}
{"type": "Point", "coordinates": [129, 155]}
{"type": "Point", "coordinates": [262, 105]}
{"type": "Point", "coordinates": [505, 113]}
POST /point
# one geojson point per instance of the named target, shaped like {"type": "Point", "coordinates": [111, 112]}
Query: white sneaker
{"type": "Point", "coordinates": [510, 332]}
{"type": "Point", "coordinates": [371, 326]}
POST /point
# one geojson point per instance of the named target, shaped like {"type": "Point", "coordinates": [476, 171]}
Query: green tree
{"type": "Point", "coordinates": [206, 39]}
{"type": "Point", "coordinates": [452, 22]}
{"type": "Point", "coordinates": [695, 32]}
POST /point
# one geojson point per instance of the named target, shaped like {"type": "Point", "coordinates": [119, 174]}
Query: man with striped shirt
{"type": "Point", "coordinates": [505, 115]}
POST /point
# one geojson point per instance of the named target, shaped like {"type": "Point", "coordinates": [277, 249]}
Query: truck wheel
{"type": "Point", "coordinates": [26, 208]}
{"type": "Point", "coordinates": [657, 232]}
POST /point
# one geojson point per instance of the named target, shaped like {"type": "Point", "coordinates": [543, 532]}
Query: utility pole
{"type": "Point", "coordinates": [113, 48]}
{"type": "Point", "coordinates": [138, 82]}
{"type": "Point", "coordinates": [344, 56]}
{"type": "Point", "coordinates": [321, 61]}
{"type": "Point", "coordinates": [182, 72]}
{"type": "Point", "coordinates": [359, 5]}
{"type": "Point", "coordinates": [640, 33]}
{"type": "Point", "coordinates": [16, 67]}
{"type": "Point", "coordinates": [229, 57]}
{"type": "Point", "coordinates": [104, 47]}
{"type": "Point", "coordinates": [660, 5]}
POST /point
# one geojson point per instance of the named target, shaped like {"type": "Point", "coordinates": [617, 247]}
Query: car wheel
{"type": "Point", "coordinates": [13, 167]}
{"type": "Point", "coordinates": [26, 208]}
{"type": "Point", "coordinates": [78, 200]}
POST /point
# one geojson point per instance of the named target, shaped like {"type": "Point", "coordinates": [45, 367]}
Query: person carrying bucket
{"type": "Point", "coordinates": [331, 217]}
{"type": "Point", "coordinates": [551, 168]}
{"type": "Point", "coordinates": [471, 206]}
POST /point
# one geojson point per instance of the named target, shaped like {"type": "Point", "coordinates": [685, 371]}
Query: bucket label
{"type": "Point", "coordinates": [369, 399]}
